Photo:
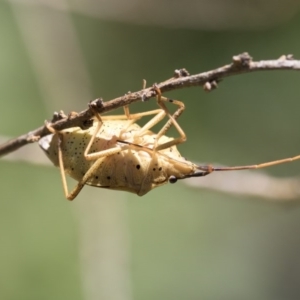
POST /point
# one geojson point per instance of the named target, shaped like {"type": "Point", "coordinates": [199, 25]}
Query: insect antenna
{"type": "Point", "coordinates": [251, 167]}
{"type": "Point", "coordinates": [208, 169]}
{"type": "Point", "coordinates": [173, 179]}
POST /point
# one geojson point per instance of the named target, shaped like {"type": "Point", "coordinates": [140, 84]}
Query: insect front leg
{"type": "Point", "coordinates": [132, 118]}
{"type": "Point", "coordinates": [93, 156]}
{"type": "Point", "coordinates": [60, 160]}
{"type": "Point", "coordinates": [107, 152]}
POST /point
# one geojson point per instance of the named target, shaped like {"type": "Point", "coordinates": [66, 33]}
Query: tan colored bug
{"type": "Point", "coordinates": [116, 153]}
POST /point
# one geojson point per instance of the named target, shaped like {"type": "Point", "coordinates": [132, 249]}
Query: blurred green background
{"type": "Point", "coordinates": [177, 242]}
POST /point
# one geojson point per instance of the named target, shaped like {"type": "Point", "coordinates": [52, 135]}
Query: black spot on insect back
{"type": "Point", "coordinates": [138, 167]}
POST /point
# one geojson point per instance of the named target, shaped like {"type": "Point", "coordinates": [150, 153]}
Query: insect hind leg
{"type": "Point", "coordinates": [160, 114]}
{"type": "Point", "coordinates": [172, 121]}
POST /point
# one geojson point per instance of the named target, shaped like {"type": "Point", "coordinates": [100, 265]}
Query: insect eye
{"type": "Point", "coordinates": [172, 179]}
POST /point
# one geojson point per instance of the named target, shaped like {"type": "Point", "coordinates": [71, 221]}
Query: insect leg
{"type": "Point", "coordinates": [93, 156]}
{"type": "Point", "coordinates": [126, 108]}
{"type": "Point", "coordinates": [170, 122]}
{"type": "Point", "coordinates": [107, 152]}
{"type": "Point", "coordinates": [60, 160]}
{"type": "Point", "coordinates": [138, 116]}
{"type": "Point", "coordinates": [96, 131]}
{"type": "Point", "coordinates": [133, 118]}
{"type": "Point", "coordinates": [91, 171]}
{"type": "Point", "coordinates": [160, 114]}
{"type": "Point", "coordinates": [104, 153]}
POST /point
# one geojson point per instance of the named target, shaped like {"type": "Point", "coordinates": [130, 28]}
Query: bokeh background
{"type": "Point", "coordinates": [177, 242]}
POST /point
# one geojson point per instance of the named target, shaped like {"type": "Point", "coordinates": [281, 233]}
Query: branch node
{"type": "Point", "coordinates": [72, 115]}
{"type": "Point", "coordinates": [96, 104]}
{"type": "Point", "coordinates": [156, 89]}
{"type": "Point", "coordinates": [242, 60]}
{"type": "Point", "coordinates": [286, 57]}
{"type": "Point", "coordinates": [31, 138]}
{"type": "Point", "coordinates": [94, 107]}
{"type": "Point", "coordinates": [214, 84]}
{"type": "Point", "coordinates": [207, 86]}
{"type": "Point", "coordinates": [142, 94]}
{"type": "Point", "coordinates": [86, 124]}
{"type": "Point", "coordinates": [210, 85]}
{"type": "Point", "coordinates": [181, 73]}
{"type": "Point", "coordinates": [58, 116]}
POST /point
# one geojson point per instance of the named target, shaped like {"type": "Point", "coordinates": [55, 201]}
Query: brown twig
{"type": "Point", "coordinates": [182, 79]}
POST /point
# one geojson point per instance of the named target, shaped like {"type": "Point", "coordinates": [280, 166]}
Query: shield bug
{"type": "Point", "coordinates": [116, 153]}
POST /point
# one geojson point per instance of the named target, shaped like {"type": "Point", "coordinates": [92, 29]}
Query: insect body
{"type": "Point", "coordinates": [116, 153]}
{"type": "Point", "coordinates": [135, 167]}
